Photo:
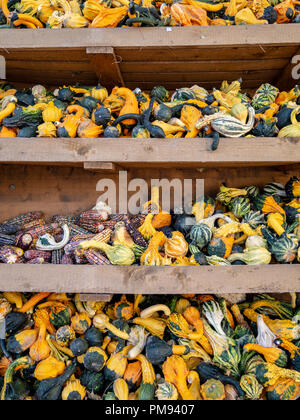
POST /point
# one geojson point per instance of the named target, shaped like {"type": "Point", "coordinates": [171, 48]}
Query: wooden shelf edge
{"type": "Point", "coordinates": [239, 152]}
{"type": "Point", "coordinates": [150, 280]}
{"type": "Point", "coordinates": [214, 36]}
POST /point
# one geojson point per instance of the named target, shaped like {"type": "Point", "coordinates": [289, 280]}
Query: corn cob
{"type": "Point", "coordinates": [10, 229]}
{"type": "Point", "coordinates": [62, 220]}
{"type": "Point", "coordinates": [8, 256]}
{"type": "Point", "coordinates": [24, 218]}
{"type": "Point", "coordinates": [32, 254]}
{"type": "Point", "coordinates": [57, 256]}
{"type": "Point", "coordinates": [34, 224]}
{"type": "Point", "coordinates": [7, 239]}
{"type": "Point", "coordinates": [103, 236]}
{"type": "Point", "coordinates": [94, 215]}
{"type": "Point", "coordinates": [24, 241]}
{"type": "Point", "coordinates": [52, 228]}
{"type": "Point", "coordinates": [80, 259]}
{"type": "Point", "coordinates": [76, 230]}
{"type": "Point", "coordinates": [138, 220]}
{"type": "Point", "coordinates": [71, 247]}
{"type": "Point", "coordinates": [134, 233]}
{"type": "Point", "coordinates": [95, 257]}
{"type": "Point", "coordinates": [85, 237]}
{"type": "Point", "coordinates": [17, 250]}
{"type": "Point", "coordinates": [109, 224]}
{"type": "Point", "coordinates": [91, 226]}
{"type": "Point", "coordinates": [117, 217]}
{"type": "Point", "coordinates": [66, 260]}
{"type": "Point", "coordinates": [36, 261]}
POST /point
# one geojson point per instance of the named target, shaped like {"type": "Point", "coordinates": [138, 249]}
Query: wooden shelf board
{"type": "Point", "coordinates": [151, 37]}
{"type": "Point", "coordinates": [153, 152]}
{"type": "Point", "coordinates": [150, 280]}
{"type": "Point", "coordinates": [145, 57]}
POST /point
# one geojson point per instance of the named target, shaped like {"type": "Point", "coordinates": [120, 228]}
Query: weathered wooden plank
{"type": "Point", "coordinates": [149, 280]}
{"type": "Point", "coordinates": [106, 66]}
{"type": "Point", "coordinates": [231, 151]}
{"type": "Point", "coordinates": [95, 297]}
{"type": "Point", "coordinates": [123, 37]}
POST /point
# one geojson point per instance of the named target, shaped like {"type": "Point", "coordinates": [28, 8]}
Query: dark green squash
{"type": "Point", "coordinates": [283, 390]}
{"type": "Point", "coordinates": [27, 132]}
{"type": "Point", "coordinates": [24, 117]}
{"type": "Point", "coordinates": [183, 223]}
{"type": "Point", "coordinates": [284, 117]}
{"type": "Point", "coordinates": [157, 350]}
{"type": "Point", "coordinates": [21, 341]}
{"type": "Point", "coordinates": [160, 92]}
{"type": "Point", "coordinates": [200, 235]}
{"type": "Point", "coordinates": [146, 392]}
{"type": "Point", "coordinates": [284, 249]}
{"type": "Point", "coordinates": [162, 113]}
{"type": "Point", "coordinates": [25, 98]}
{"type": "Point", "coordinates": [209, 371]}
{"type": "Point", "coordinates": [240, 206]}
{"type": "Point", "coordinates": [51, 389]}
{"type": "Point", "coordinates": [94, 337]}
{"type": "Point", "coordinates": [95, 359]}
{"type": "Point", "coordinates": [89, 103]}
{"type": "Point", "coordinates": [93, 381]}
{"type": "Point", "coordinates": [17, 390]}
{"type": "Point", "coordinates": [14, 321]}
{"type": "Point", "coordinates": [79, 346]}
{"type": "Point", "coordinates": [111, 132]}
{"type": "Point", "coordinates": [60, 317]}
{"type": "Point", "coordinates": [265, 129]}
{"type": "Point", "coordinates": [65, 95]}
{"type": "Point", "coordinates": [220, 247]}
{"type": "Point", "coordinates": [183, 94]}
{"type": "Point", "coordinates": [102, 116]}
{"type": "Point", "coordinates": [140, 132]}
{"type": "Point", "coordinates": [155, 131]}
{"type": "Point", "coordinates": [252, 191]}
{"type": "Point", "coordinates": [109, 396]}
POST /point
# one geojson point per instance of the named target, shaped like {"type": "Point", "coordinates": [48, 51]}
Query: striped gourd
{"type": "Point", "coordinates": [229, 126]}
{"type": "Point", "coordinates": [252, 191]}
{"type": "Point", "coordinates": [254, 218]}
{"type": "Point", "coordinates": [200, 235]}
{"type": "Point", "coordinates": [283, 249]}
{"type": "Point", "coordinates": [275, 188]}
{"type": "Point", "coordinates": [264, 96]}
{"type": "Point", "coordinates": [240, 206]}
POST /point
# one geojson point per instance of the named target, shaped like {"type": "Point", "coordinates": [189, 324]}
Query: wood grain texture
{"type": "Point", "coordinates": [151, 37]}
{"type": "Point", "coordinates": [149, 280]}
{"type": "Point", "coordinates": [242, 151]}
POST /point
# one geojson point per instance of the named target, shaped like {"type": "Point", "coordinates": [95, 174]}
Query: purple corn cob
{"type": "Point", "coordinates": [138, 220]}
{"type": "Point", "coordinates": [110, 224]}
{"type": "Point", "coordinates": [95, 257]}
{"type": "Point", "coordinates": [94, 216]}
{"type": "Point", "coordinates": [66, 260]}
{"type": "Point", "coordinates": [103, 236]}
{"type": "Point", "coordinates": [52, 228]}
{"type": "Point", "coordinates": [85, 237]}
{"type": "Point", "coordinates": [62, 220]}
{"type": "Point", "coordinates": [7, 239]}
{"type": "Point", "coordinates": [134, 233]}
{"type": "Point", "coordinates": [80, 259]}
{"type": "Point", "coordinates": [57, 256]}
{"type": "Point", "coordinates": [8, 256]}
{"type": "Point", "coordinates": [24, 218]}
{"type": "Point", "coordinates": [10, 229]}
{"type": "Point", "coordinates": [91, 226]}
{"type": "Point", "coordinates": [71, 246]}
{"type": "Point", "coordinates": [36, 261]}
{"type": "Point", "coordinates": [32, 254]}
{"type": "Point", "coordinates": [77, 230]}
{"type": "Point", "coordinates": [117, 217]}
{"type": "Point", "coordinates": [24, 241]}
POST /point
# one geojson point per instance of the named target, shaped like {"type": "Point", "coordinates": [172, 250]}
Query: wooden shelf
{"type": "Point", "coordinates": [150, 280]}
{"type": "Point", "coordinates": [143, 57]}
{"type": "Point", "coordinates": [152, 152]}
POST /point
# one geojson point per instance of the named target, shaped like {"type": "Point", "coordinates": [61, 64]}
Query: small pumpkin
{"type": "Point", "coordinates": [60, 316]}
{"type": "Point", "coordinates": [49, 368]}
{"type": "Point", "coordinates": [166, 392]}
{"type": "Point", "coordinates": [213, 390]}
{"type": "Point", "coordinates": [124, 309]}
{"type": "Point", "coordinates": [81, 323]}
{"type": "Point", "coordinates": [133, 375]}
{"type": "Point", "coordinates": [99, 92]}
{"type": "Point", "coordinates": [251, 387]}
{"type": "Point", "coordinates": [79, 346]}
{"type": "Point", "coordinates": [64, 335]}
{"type": "Point", "coordinates": [73, 391]}
{"type": "Point", "coordinates": [176, 246]}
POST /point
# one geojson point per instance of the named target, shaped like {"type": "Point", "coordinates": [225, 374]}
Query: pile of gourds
{"type": "Point", "coordinates": [190, 347]}
{"type": "Point", "coordinates": [243, 226]}
{"type": "Point", "coordinates": [125, 13]}
{"type": "Point", "coordinates": [91, 112]}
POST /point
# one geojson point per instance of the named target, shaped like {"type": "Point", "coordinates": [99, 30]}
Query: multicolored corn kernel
{"type": "Point", "coordinates": [76, 230]}
{"type": "Point", "coordinates": [57, 256]}
{"type": "Point", "coordinates": [85, 237]}
{"type": "Point", "coordinates": [36, 261]}
{"type": "Point", "coordinates": [7, 239]}
{"type": "Point", "coordinates": [103, 236]}
{"type": "Point", "coordinates": [138, 220]}
{"type": "Point", "coordinates": [91, 226]}
{"type": "Point", "coordinates": [62, 220]}
{"type": "Point", "coordinates": [66, 260]}
{"type": "Point", "coordinates": [134, 233]}
{"type": "Point", "coordinates": [32, 254]}
{"type": "Point", "coordinates": [95, 257]}
{"type": "Point", "coordinates": [52, 228]}
{"type": "Point", "coordinates": [34, 224]}
{"type": "Point", "coordinates": [94, 215]}
{"type": "Point", "coordinates": [24, 241]}
{"type": "Point", "coordinates": [24, 218]}
{"type": "Point", "coordinates": [110, 224]}
{"type": "Point", "coordinates": [8, 256]}
{"type": "Point", "coordinates": [71, 247]}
